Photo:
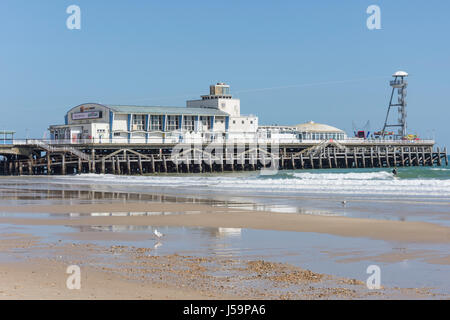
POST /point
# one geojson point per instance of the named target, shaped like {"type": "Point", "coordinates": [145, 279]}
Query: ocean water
{"type": "Point", "coordinates": [415, 181]}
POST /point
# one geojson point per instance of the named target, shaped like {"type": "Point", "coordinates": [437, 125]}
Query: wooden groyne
{"type": "Point", "coordinates": [41, 159]}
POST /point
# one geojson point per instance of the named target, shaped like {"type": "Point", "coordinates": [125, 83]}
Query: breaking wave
{"type": "Point", "coordinates": [422, 182]}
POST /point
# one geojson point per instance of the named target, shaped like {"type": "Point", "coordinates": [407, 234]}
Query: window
{"type": "Point", "coordinates": [173, 123]}
{"type": "Point", "coordinates": [188, 123]}
{"type": "Point", "coordinates": [234, 121]}
{"type": "Point", "coordinates": [138, 122]}
{"type": "Point", "coordinates": [156, 123]}
{"type": "Point", "coordinates": [116, 134]}
{"type": "Point", "coordinates": [206, 123]}
{"type": "Point", "coordinates": [242, 121]}
{"type": "Point", "coordinates": [251, 122]}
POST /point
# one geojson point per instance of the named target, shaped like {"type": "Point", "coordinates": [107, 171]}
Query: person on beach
{"type": "Point", "coordinates": [394, 172]}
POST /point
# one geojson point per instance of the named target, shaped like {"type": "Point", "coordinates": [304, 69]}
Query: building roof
{"type": "Point", "coordinates": [167, 110]}
{"type": "Point", "coordinates": [316, 127]}
{"type": "Point", "coordinates": [400, 74]}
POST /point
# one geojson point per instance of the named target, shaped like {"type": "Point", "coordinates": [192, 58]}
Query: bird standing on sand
{"type": "Point", "coordinates": [157, 233]}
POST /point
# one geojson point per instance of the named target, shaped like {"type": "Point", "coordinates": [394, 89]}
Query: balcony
{"type": "Point", "coordinates": [398, 83]}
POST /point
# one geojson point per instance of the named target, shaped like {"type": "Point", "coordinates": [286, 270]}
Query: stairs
{"type": "Point", "coordinates": [50, 148]}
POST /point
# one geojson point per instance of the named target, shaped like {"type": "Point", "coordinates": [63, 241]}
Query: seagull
{"type": "Point", "coordinates": [157, 233]}
{"type": "Point", "coordinates": [157, 245]}
{"type": "Point", "coordinates": [344, 203]}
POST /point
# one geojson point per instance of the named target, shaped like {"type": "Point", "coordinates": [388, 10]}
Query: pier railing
{"type": "Point", "coordinates": [47, 144]}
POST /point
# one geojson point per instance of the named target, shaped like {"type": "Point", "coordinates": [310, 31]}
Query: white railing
{"type": "Point", "coordinates": [48, 145]}
{"type": "Point", "coordinates": [51, 145]}
{"type": "Point", "coordinates": [385, 141]}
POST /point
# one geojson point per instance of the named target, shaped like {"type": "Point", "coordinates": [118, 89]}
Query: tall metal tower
{"type": "Point", "coordinates": [400, 84]}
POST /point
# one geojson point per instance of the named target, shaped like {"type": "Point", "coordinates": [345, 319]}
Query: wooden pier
{"type": "Point", "coordinates": [42, 159]}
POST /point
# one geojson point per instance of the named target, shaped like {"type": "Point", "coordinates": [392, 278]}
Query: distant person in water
{"type": "Point", "coordinates": [394, 172]}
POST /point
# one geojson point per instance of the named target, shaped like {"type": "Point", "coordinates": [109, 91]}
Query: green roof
{"type": "Point", "coordinates": [167, 110]}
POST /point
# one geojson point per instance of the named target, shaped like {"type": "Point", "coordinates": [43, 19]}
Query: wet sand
{"type": "Point", "coordinates": [136, 274]}
{"type": "Point", "coordinates": [33, 267]}
{"type": "Point", "coordinates": [209, 216]}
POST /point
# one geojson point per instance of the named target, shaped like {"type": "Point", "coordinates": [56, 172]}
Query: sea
{"type": "Point", "coordinates": [413, 194]}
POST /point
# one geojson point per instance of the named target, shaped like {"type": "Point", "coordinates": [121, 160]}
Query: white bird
{"type": "Point", "coordinates": [157, 233]}
{"type": "Point", "coordinates": [157, 245]}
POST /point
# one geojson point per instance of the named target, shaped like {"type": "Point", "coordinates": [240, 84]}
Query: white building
{"type": "Point", "coordinates": [215, 117]}
{"type": "Point", "coordinates": [309, 132]}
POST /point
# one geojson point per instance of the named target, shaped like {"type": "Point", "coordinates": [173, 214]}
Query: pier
{"type": "Point", "coordinates": [35, 157]}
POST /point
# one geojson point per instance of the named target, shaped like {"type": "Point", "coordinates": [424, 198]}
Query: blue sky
{"type": "Point", "coordinates": [288, 61]}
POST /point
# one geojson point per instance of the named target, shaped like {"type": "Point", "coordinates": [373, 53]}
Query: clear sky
{"type": "Point", "coordinates": [288, 61]}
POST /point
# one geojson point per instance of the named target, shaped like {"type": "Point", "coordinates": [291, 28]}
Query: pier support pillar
{"type": "Point", "coordinates": [439, 157]}
{"type": "Point", "coordinates": [63, 164]}
{"type": "Point", "coordinates": [371, 157]}
{"type": "Point", "coordinates": [387, 158]}
{"type": "Point", "coordinates": [395, 157]}
{"type": "Point", "coordinates": [329, 159]}
{"type": "Point", "coordinates": [446, 156]}
{"type": "Point", "coordinates": [30, 167]}
{"type": "Point", "coordinates": [113, 165]}
{"type": "Point", "coordinates": [363, 158]}
{"type": "Point", "coordinates": [80, 166]}
{"type": "Point", "coordinates": [103, 166]}
{"type": "Point", "coordinates": [165, 163]}
{"type": "Point", "coordinates": [140, 165]}
{"type": "Point", "coordinates": [49, 164]}
{"type": "Point", "coordinates": [430, 159]}
{"type": "Point", "coordinates": [128, 165]}
{"type": "Point", "coordinates": [402, 156]}
{"type": "Point", "coordinates": [424, 161]}
{"type": "Point", "coordinates": [417, 157]}
{"type": "Point", "coordinates": [118, 165]}
{"type": "Point", "coordinates": [153, 164]}
{"type": "Point", "coordinates": [93, 170]}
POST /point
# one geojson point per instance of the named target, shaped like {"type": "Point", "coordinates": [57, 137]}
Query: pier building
{"type": "Point", "coordinates": [214, 136]}
{"type": "Point", "coordinates": [215, 117]}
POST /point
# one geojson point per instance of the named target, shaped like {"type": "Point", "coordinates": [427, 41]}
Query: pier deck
{"type": "Point", "coordinates": [39, 158]}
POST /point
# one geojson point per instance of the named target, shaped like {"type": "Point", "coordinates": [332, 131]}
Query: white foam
{"type": "Point", "coordinates": [366, 183]}
{"type": "Point", "coordinates": [382, 175]}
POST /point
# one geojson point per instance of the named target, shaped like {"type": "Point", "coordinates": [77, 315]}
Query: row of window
{"type": "Point", "coordinates": [173, 123]}
{"type": "Point", "coordinates": [243, 121]}
{"type": "Point", "coordinates": [321, 136]}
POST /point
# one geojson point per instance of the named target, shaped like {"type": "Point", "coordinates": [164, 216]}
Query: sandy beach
{"type": "Point", "coordinates": [208, 250]}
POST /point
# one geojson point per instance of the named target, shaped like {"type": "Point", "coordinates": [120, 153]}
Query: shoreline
{"type": "Point", "coordinates": [401, 231]}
